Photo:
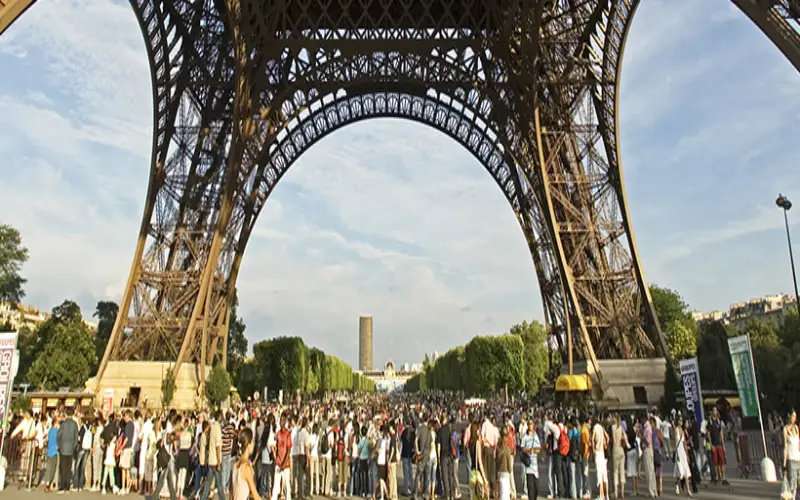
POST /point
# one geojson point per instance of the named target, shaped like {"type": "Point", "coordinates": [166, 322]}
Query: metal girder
{"type": "Point", "coordinates": [780, 21]}
{"type": "Point", "coordinates": [530, 87]}
{"type": "Point", "coordinates": [10, 10]}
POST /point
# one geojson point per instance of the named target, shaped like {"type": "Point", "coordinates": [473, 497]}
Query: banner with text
{"type": "Point", "coordinates": [8, 344]}
{"type": "Point", "coordinates": [691, 388]}
{"type": "Point", "coordinates": [745, 376]}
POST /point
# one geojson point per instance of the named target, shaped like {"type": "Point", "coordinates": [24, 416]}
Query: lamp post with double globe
{"type": "Point", "coordinates": [784, 203]}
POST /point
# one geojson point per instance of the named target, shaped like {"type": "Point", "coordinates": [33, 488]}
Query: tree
{"type": "Point", "coordinates": [534, 340]}
{"type": "Point", "coordinates": [714, 359]}
{"type": "Point", "coordinates": [67, 360]}
{"type": "Point", "coordinates": [68, 311]}
{"type": "Point", "coordinates": [106, 314]}
{"type": "Point", "coordinates": [237, 342]}
{"type": "Point", "coordinates": [681, 339]}
{"type": "Point", "coordinates": [167, 388]}
{"type": "Point", "coordinates": [680, 329]}
{"type": "Point", "coordinates": [12, 256]}
{"type": "Point", "coordinates": [218, 386]}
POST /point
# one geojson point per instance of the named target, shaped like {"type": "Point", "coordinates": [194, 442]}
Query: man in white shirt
{"type": "Point", "coordinates": [666, 431]}
{"type": "Point", "coordinates": [146, 435]}
{"type": "Point", "coordinates": [551, 434]}
{"type": "Point", "coordinates": [599, 443]}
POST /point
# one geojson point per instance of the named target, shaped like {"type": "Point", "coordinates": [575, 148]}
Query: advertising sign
{"type": "Point", "coordinates": [108, 401]}
{"type": "Point", "coordinates": [8, 346]}
{"type": "Point", "coordinates": [691, 388]}
{"type": "Point", "coordinates": [745, 376]}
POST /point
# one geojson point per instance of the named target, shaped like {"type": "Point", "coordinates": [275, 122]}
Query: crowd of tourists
{"type": "Point", "coordinates": [378, 447]}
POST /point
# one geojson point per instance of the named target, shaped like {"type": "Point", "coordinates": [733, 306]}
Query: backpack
{"type": "Point", "coordinates": [86, 440]}
{"type": "Point", "coordinates": [574, 443]}
{"type": "Point", "coordinates": [340, 451]}
{"type": "Point", "coordinates": [563, 442]}
{"type": "Point", "coordinates": [162, 457]}
{"type": "Point", "coordinates": [454, 444]}
{"type": "Point", "coordinates": [324, 444]}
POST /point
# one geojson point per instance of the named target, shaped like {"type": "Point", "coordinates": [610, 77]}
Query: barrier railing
{"type": "Point", "coordinates": [23, 461]}
{"type": "Point", "coordinates": [750, 452]}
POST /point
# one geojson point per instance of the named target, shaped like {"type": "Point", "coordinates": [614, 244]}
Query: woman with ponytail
{"type": "Point", "coordinates": [244, 484]}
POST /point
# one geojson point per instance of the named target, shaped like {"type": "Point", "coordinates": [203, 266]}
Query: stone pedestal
{"type": "Point", "coordinates": [146, 377]}
{"type": "Point", "coordinates": [626, 384]}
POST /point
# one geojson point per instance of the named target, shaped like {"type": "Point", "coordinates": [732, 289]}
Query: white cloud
{"type": "Point", "coordinates": [388, 217]}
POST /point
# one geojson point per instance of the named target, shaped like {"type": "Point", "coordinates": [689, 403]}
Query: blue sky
{"type": "Point", "coordinates": [392, 218]}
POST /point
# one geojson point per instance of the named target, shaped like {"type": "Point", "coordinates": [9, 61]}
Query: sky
{"type": "Point", "coordinates": [392, 218]}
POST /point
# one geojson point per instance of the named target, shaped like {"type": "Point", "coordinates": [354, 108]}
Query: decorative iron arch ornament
{"type": "Point", "coordinates": [242, 88]}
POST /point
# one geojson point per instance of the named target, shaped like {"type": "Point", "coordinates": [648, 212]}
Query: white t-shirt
{"type": "Point", "coordinates": [383, 449]}
{"type": "Point", "coordinates": [598, 439]}
{"type": "Point", "coordinates": [665, 429]}
{"type": "Point", "coordinates": [314, 440]}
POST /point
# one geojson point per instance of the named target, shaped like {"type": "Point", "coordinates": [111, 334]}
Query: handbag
{"type": "Point", "coordinates": [786, 490]}
{"type": "Point", "coordinates": [524, 458]}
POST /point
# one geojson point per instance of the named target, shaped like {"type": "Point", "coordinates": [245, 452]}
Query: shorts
{"type": "Point", "coordinates": [125, 458]}
{"type": "Point", "coordinates": [382, 472]}
{"type": "Point", "coordinates": [718, 456]}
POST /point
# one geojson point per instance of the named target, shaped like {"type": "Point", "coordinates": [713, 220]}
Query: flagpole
{"type": "Point", "coordinates": [767, 461]}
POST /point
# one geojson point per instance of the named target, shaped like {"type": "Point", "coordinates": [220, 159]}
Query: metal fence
{"type": "Point", "coordinates": [750, 452]}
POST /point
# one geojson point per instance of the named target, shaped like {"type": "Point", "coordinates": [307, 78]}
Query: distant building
{"type": "Point", "coordinates": [770, 308]}
{"type": "Point", "coordinates": [20, 315]}
{"type": "Point", "coordinates": [390, 379]}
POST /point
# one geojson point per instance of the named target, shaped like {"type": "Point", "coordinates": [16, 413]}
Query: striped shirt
{"type": "Point", "coordinates": [228, 434]}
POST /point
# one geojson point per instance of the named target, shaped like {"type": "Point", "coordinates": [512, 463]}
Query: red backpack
{"type": "Point", "coordinates": [563, 441]}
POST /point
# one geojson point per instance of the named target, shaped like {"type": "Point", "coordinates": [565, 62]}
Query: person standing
{"type": "Point", "coordinates": [228, 430]}
{"type": "Point", "coordinates": [83, 454]}
{"type": "Point", "coordinates": [407, 457]}
{"type": "Point", "coordinates": [126, 457]}
{"type": "Point", "coordinates": [283, 461]}
{"type": "Point", "coordinates": [444, 451]}
{"type": "Point", "coordinates": [211, 457]}
{"type": "Point", "coordinates": [647, 456]}
{"type": "Point", "coordinates": [52, 456]}
{"type": "Point", "coordinates": [530, 444]}
{"type": "Point", "coordinates": [422, 446]}
{"type": "Point", "coordinates": [791, 452]}
{"type": "Point", "coordinates": [666, 433]}
{"type": "Point", "coordinates": [325, 449]}
{"type": "Point", "coordinates": [599, 444]}
{"type": "Point", "coordinates": [67, 442]}
{"type": "Point", "coordinates": [716, 436]}
{"type": "Point", "coordinates": [619, 443]}
{"type": "Point", "coordinates": [505, 465]}
{"type": "Point", "coordinates": [682, 467]}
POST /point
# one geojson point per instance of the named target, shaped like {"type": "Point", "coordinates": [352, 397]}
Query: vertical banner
{"type": "Point", "coordinates": [108, 400]}
{"type": "Point", "coordinates": [745, 376]}
{"type": "Point", "coordinates": [692, 392]}
{"type": "Point", "coordinates": [8, 346]}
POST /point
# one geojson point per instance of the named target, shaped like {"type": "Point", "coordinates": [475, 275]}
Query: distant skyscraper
{"type": "Point", "coordinates": [365, 343]}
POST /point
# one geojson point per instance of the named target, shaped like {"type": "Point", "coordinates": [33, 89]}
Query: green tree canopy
{"type": "Point", "coordinates": [67, 360]}
{"type": "Point", "coordinates": [218, 386]}
{"type": "Point", "coordinates": [713, 357]}
{"type": "Point", "coordinates": [534, 340]}
{"type": "Point", "coordinates": [675, 317]}
{"type": "Point", "coordinates": [12, 256]}
{"type": "Point", "coordinates": [237, 342]}
{"type": "Point", "coordinates": [106, 314]}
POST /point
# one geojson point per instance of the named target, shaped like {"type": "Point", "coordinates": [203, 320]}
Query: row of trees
{"type": "Point", "coordinates": [776, 349]}
{"type": "Point", "coordinates": [287, 363]}
{"type": "Point", "coordinates": [486, 364]}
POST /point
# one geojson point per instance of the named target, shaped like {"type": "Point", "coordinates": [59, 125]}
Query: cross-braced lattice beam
{"type": "Point", "coordinates": [780, 21]}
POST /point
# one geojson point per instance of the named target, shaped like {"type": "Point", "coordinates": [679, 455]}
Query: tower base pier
{"type": "Point", "coordinates": [137, 384]}
{"type": "Point", "coordinates": [626, 383]}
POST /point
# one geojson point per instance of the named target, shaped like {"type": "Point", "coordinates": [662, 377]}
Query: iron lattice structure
{"type": "Point", "coordinates": [241, 88]}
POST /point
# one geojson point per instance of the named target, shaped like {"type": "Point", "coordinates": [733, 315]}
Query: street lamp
{"type": "Point", "coordinates": [784, 203]}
